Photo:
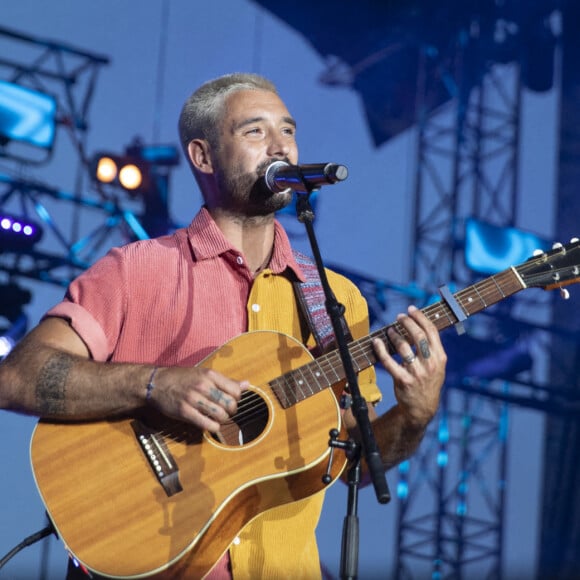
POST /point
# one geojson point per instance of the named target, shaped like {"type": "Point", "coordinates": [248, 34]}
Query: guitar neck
{"type": "Point", "coordinates": [328, 370]}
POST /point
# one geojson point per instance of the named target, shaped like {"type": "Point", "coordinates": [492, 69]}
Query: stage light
{"type": "Point", "coordinates": [18, 232]}
{"type": "Point", "coordinates": [138, 170]}
{"type": "Point", "coordinates": [27, 122]}
{"type": "Point", "coordinates": [490, 249]}
{"type": "Point", "coordinates": [130, 176]}
{"type": "Point", "coordinates": [143, 172]}
{"type": "Point", "coordinates": [131, 173]}
{"type": "Point", "coordinates": [106, 170]}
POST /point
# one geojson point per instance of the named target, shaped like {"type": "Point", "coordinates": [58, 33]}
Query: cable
{"type": "Point", "coordinates": [32, 539]}
{"type": "Point", "coordinates": [161, 66]}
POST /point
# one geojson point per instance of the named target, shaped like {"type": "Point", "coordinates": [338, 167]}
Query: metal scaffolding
{"type": "Point", "coordinates": [452, 493]}
{"type": "Point", "coordinates": [72, 239]}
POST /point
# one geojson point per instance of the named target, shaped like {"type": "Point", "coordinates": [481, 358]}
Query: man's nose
{"type": "Point", "coordinates": [278, 145]}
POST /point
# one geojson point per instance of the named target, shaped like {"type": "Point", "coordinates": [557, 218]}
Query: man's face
{"type": "Point", "coordinates": [256, 129]}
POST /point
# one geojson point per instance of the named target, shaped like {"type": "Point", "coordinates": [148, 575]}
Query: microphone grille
{"type": "Point", "coordinates": [270, 175]}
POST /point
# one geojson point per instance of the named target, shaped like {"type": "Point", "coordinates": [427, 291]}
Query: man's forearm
{"type": "Point", "coordinates": [396, 437]}
{"type": "Point", "coordinates": [44, 381]}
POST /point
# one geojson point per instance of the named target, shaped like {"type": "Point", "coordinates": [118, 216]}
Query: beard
{"type": "Point", "coordinates": [246, 193]}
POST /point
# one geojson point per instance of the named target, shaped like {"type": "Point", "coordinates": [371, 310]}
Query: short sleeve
{"type": "Point", "coordinates": [95, 304]}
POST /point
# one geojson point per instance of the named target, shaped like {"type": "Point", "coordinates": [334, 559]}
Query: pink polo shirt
{"type": "Point", "coordinates": [169, 301]}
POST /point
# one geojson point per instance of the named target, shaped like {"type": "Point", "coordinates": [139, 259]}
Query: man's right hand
{"type": "Point", "coordinates": [199, 396]}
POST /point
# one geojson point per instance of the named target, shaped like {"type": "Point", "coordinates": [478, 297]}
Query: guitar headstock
{"type": "Point", "coordinates": [554, 269]}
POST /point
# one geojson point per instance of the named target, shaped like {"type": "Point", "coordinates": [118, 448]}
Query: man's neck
{"type": "Point", "coordinates": [253, 236]}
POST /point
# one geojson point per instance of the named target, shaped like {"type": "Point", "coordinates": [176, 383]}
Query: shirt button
{"type": "Point", "coordinates": [237, 541]}
{"type": "Point", "coordinates": [255, 307]}
{"type": "Point", "coordinates": [240, 260]}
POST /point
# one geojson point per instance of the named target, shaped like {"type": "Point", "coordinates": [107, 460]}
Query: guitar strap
{"type": "Point", "coordinates": [311, 299]}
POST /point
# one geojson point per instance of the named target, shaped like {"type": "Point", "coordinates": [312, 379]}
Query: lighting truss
{"type": "Point", "coordinates": [57, 69]}
{"type": "Point", "coordinates": [451, 513]}
{"type": "Point", "coordinates": [107, 223]}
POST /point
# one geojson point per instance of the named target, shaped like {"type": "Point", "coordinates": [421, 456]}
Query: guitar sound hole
{"type": "Point", "coordinates": [247, 424]}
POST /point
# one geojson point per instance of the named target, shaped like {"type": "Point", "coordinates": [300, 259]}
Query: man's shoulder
{"type": "Point", "coordinates": [155, 247]}
{"type": "Point", "coordinates": [151, 256]}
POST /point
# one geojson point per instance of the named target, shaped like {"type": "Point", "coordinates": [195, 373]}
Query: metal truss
{"type": "Point", "coordinates": [72, 240]}
{"type": "Point", "coordinates": [452, 492]}
{"type": "Point", "coordinates": [104, 223]}
{"type": "Point", "coordinates": [60, 70]}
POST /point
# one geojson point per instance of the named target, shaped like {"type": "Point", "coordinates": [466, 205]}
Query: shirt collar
{"type": "Point", "coordinates": [207, 242]}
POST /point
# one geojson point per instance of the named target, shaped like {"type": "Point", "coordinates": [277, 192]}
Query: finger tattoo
{"type": "Point", "coordinates": [206, 409]}
{"type": "Point", "coordinates": [218, 396]}
{"type": "Point", "coordinates": [424, 348]}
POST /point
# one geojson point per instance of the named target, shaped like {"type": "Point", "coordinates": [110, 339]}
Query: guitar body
{"type": "Point", "coordinates": [114, 515]}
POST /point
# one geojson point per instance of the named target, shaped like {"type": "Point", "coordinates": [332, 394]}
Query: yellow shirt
{"type": "Point", "coordinates": [281, 542]}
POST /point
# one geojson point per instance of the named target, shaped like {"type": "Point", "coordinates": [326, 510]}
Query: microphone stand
{"type": "Point", "coordinates": [368, 444]}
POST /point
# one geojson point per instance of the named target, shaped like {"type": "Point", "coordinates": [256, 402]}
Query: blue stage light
{"type": "Point", "coordinates": [490, 249]}
{"type": "Point", "coordinates": [18, 233]}
{"type": "Point", "coordinates": [27, 116]}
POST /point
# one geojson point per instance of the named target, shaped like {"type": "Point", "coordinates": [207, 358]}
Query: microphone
{"type": "Point", "coordinates": [281, 176]}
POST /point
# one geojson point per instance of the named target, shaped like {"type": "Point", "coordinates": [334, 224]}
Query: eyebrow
{"type": "Point", "coordinates": [245, 122]}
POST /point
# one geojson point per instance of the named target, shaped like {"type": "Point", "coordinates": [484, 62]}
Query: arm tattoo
{"type": "Point", "coordinates": [50, 385]}
{"type": "Point", "coordinates": [424, 348]}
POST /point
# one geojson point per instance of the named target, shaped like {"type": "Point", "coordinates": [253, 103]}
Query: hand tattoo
{"type": "Point", "coordinates": [424, 348]}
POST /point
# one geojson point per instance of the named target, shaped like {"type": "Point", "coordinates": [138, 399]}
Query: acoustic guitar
{"type": "Point", "coordinates": [148, 496]}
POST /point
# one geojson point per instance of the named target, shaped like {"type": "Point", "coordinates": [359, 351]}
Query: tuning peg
{"type": "Point", "coordinates": [556, 246]}
{"type": "Point", "coordinates": [564, 293]}
{"type": "Point", "coordinates": [537, 252]}
{"type": "Point", "coordinates": [574, 240]}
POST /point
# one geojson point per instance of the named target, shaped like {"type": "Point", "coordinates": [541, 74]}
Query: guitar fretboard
{"type": "Point", "coordinates": [327, 370]}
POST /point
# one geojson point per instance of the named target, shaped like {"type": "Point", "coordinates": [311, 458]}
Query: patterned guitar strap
{"type": "Point", "coordinates": [311, 300]}
{"type": "Point", "coordinates": [310, 296]}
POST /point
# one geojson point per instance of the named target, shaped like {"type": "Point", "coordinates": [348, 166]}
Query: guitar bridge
{"type": "Point", "coordinates": [159, 457]}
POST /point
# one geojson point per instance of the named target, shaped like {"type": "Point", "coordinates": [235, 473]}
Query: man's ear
{"type": "Point", "coordinates": [200, 155]}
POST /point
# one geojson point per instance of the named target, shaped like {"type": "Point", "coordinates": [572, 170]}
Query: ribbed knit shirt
{"type": "Point", "coordinates": [173, 300]}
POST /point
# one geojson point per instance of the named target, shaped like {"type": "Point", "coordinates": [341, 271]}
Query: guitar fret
{"type": "Point", "coordinates": [297, 383]}
{"type": "Point", "coordinates": [480, 296]}
{"type": "Point", "coordinates": [466, 302]}
{"type": "Point", "coordinates": [304, 381]}
{"type": "Point", "coordinates": [322, 366]}
{"type": "Point", "coordinates": [498, 287]}
{"type": "Point", "coordinates": [317, 375]}
{"type": "Point", "coordinates": [436, 315]}
{"type": "Point", "coordinates": [447, 313]}
{"type": "Point", "coordinates": [279, 387]}
{"type": "Point", "coordinates": [355, 364]}
{"type": "Point", "coordinates": [333, 366]}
